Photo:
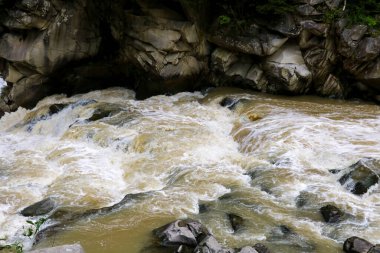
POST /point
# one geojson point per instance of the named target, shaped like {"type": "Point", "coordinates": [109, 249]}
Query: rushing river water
{"type": "Point", "coordinates": [257, 161]}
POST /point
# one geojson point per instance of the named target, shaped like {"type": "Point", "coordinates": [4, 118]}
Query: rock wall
{"type": "Point", "coordinates": [49, 46]}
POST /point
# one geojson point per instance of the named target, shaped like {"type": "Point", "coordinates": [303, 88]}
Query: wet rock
{"type": "Point", "coordinates": [317, 29]}
{"type": "Point", "coordinates": [40, 208]}
{"type": "Point", "coordinates": [210, 245]}
{"type": "Point", "coordinates": [286, 236]}
{"type": "Point", "coordinates": [181, 232]}
{"type": "Point", "coordinates": [203, 208]}
{"type": "Point", "coordinates": [307, 10]}
{"type": "Point", "coordinates": [236, 221]}
{"type": "Point", "coordinates": [103, 111]}
{"type": "Point", "coordinates": [56, 108]}
{"type": "Point", "coordinates": [257, 41]}
{"type": "Point", "coordinates": [375, 249]}
{"type": "Point", "coordinates": [335, 171]}
{"type": "Point", "coordinates": [331, 88]}
{"type": "Point", "coordinates": [65, 216]}
{"type": "Point", "coordinates": [370, 75]}
{"type": "Point", "coordinates": [247, 249]}
{"type": "Point", "coordinates": [229, 102]}
{"type": "Point", "coordinates": [74, 248]}
{"type": "Point", "coordinates": [368, 49]}
{"type": "Point", "coordinates": [361, 176]}
{"type": "Point", "coordinates": [284, 24]}
{"type": "Point", "coordinates": [42, 37]}
{"type": "Point", "coordinates": [287, 72]}
{"type": "Point", "coordinates": [161, 42]}
{"type": "Point", "coordinates": [350, 38]}
{"type": "Point", "coordinates": [231, 68]}
{"type": "Point", "coordinates": [356, 245]}
{"type": "Point", "coordinates": [321, 58]}
{"type": "Point", "coordinates": [331, 213]}
{"type": "Point", "coordinates": [261, 248]}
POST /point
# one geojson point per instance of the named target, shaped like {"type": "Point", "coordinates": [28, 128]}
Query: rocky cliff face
{"type": "Point", "coordinates": [51, 46]}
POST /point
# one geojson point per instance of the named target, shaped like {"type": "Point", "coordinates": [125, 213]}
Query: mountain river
{"type": "Point", "coordinates": [266, 159]}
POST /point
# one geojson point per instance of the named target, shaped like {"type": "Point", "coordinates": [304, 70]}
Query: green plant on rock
{"type": "Point", "coordinates": [224, 20]}
{"type": "Point", "coordinates": [365, 12]}
{"type": "Point", "coordinates": [16, 247]}
{"type": "Point", "coordinates": [36, 225]}
{"type": "Point", "coordinates": [333, 15]}
{"type": "Point", "coordinates": [30, 231]}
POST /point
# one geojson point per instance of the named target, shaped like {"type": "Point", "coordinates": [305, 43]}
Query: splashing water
{"type": "Point", "coordinates": [257, 160]}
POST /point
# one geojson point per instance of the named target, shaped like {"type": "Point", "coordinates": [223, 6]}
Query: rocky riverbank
{"type": "Point", "coordinates": [49, 46]}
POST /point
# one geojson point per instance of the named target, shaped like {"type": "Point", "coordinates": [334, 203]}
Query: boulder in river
{"type": "Point", "coordinates": [181, 232]}
{"type": "Point", "coordinates": [231, 102]}
{"type": "Point", "coordinates": [375, 249]}
{"type": "Point", "coordinates": [361, 176]}
{"type": "Point", "coordinates": [210, 245]}
{"type": "Point", "coordinates": [40, 208]}
{"type": "Point", "coordinates": [357, 245]}
{"type": "Point", "coordinates": [261, 248]}
{"type": "Point", "coordinates": [331, 213]}
{"type": "Point", "coordinates": [247, 249]}
{"type": "Point", "coordinates": [73, 248]}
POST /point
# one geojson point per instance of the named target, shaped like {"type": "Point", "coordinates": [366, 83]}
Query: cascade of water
{"type": "Point", "coordinates": [266, 159]}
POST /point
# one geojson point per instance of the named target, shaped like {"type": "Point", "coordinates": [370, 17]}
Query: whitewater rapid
{"type": "Point", "coordinates": [257, 161]}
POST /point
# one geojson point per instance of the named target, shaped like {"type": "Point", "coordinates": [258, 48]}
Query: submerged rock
{"type": "Point", "coordinates": [331, 213]}
{"type": "Point", "coordinates": [286, 236]}
{"type": "Point", "coordinates": [361, 176]}
{"type": "Point", "coordinates": [357, 245]}
{"type": "Point", "coordinates": [74, 248]}
{"type": "Point", "coordinates": [236, 221]}
{"type": "Point", "coordinates": [40, 208]}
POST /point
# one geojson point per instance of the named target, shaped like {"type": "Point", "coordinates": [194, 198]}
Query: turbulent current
{"type": "Point", "coordinates": [266, 159]}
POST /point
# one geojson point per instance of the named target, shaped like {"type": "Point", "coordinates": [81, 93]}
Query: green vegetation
{"type": "Point", "coordinates": [274, 7]}
{"type": "Point", "coordinates": [224, 20]}
{"type": "Point", "coordinates": [229, 12]}
{"type": "Point", "coordinates": [30, 231]}
{"type": "Point", "coordinates": [365, 12]}
{"type": "Point", "coordinates": [16, 247]}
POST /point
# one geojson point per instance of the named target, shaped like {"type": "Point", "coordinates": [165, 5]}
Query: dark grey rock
{"type": "Point", "coordinates": [357, 245]}
{"type": "Point", "coordinates": [368, 49]}
{"type": "Point", "coordinates": [318, 29]}
{"type": "Point", "coordinates": [375, 249]}
{"type": "Point", "coordinates": [236, 221]}
{"type": "Point", "coordinates": [210, 245]}
{"type": "Point", "coordinates": [284, 235]}
{"type": "Point", "coordinates": [331, 213]}
{"type": "Point", "coordinates": [181, 232]}
{"type": "Point", "coordinates": [261, 248]}
{"type": "Point", "coordinates": [361, 176]}
{"type": "Point", "coordinates": [203, 208]}
{"type": "Point", "coordinates": [229, 102]}
{"type": "Point", "coordinates": [350, 38]}
{"type": "Point", "coordinates": [40, 208]}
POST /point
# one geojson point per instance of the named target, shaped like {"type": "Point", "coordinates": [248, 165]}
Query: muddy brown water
{"type": "Point", "coordinates": [267, 160]}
